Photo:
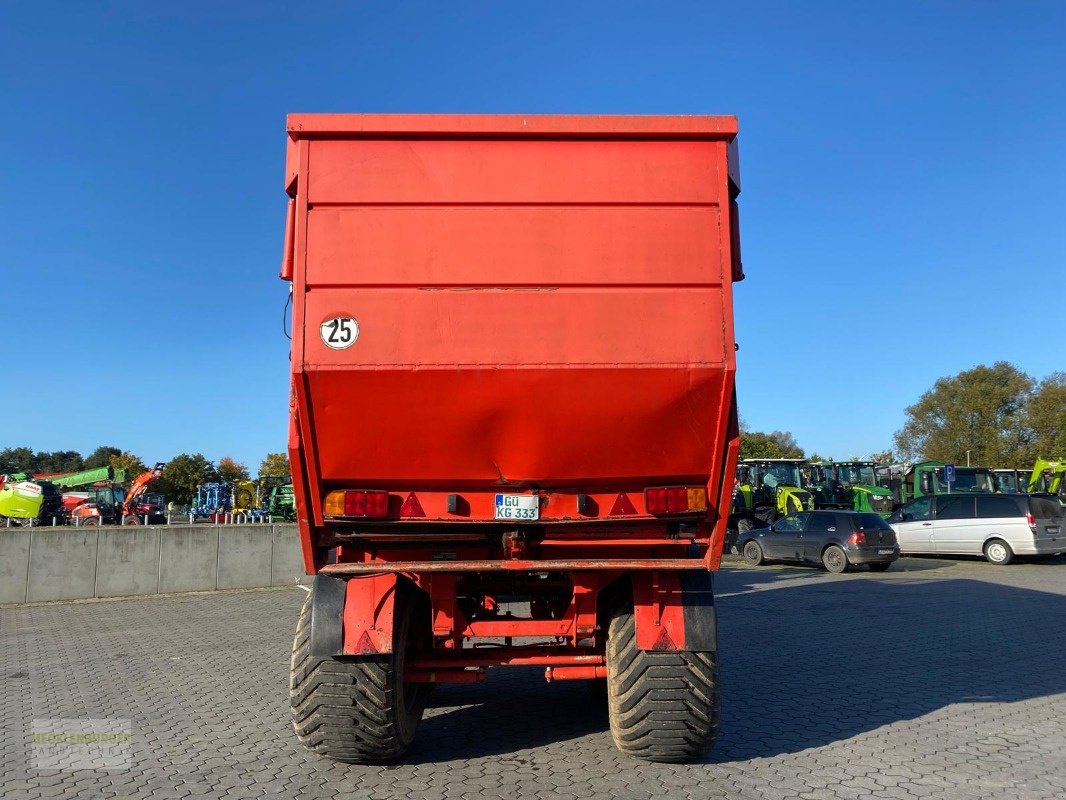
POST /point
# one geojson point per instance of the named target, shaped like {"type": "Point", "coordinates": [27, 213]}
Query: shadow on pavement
{"type": "Point", "coordinates": [808, 665]}
{"type": "Point", "coordinates": [777, 571]}
{"type": "Point", "coordinates": [514, 710]}
{"type": "Point", "coordinates": [804, 664]}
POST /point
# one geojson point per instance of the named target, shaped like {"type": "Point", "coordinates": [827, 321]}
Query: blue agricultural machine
{"type": "Point", "coordinates": [212, 500]}
{"type": "Point", "coordinates": [216, 500]}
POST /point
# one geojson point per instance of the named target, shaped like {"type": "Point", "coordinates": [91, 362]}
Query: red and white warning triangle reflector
{"type": "Point", "coordinates": [623, 506]}
{"type": "Point", "coordinates": [411, 507]}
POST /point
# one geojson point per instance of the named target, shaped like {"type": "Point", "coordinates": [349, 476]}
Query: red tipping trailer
{"type": "Point", "coordinates": [513, 413]}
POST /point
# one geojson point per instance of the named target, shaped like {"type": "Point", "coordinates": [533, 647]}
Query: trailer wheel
{"type": "Point", "coordinates": [663, 706]}
{"type": "Point", "coordinates": [356, 709]}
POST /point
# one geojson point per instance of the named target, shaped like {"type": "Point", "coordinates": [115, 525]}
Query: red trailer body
{"type": "Point", "coordinates": [512, 388]}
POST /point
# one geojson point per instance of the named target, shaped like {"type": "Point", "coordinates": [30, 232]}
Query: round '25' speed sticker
{"type": "Point", "coordinates": [339, 333]}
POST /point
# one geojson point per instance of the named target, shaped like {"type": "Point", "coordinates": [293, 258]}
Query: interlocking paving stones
{"type": "Point", "coordinates": [939, 679]}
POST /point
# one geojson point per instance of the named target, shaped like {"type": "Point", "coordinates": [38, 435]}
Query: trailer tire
{"type": "Point", "coordinates": [663, 706]}
{"type": "Point", "coordinates": [356, 709]}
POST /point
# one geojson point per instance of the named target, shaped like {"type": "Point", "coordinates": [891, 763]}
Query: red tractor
{"type": "Point", "coordinates": [107, 503]}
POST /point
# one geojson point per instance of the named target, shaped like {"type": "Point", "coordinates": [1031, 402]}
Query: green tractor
{"type": "Point", "coordinates": [767, 489]}
{"type": "Point", "coordinates": [283, 503]}
{"type": "Point", "coordinates": [277, 497]}
{"type": "Point", "coordinates": [849, 485]}
{"type": "Point", "coordinates": [1047, 478]}
{"type": "Point", "coordinates": [909, 481]}
{"type": "Point", "coordinates": [1011, 481]}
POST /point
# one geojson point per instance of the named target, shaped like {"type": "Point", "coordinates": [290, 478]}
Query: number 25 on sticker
{"type": "Point", "coordinates": [339, 333]}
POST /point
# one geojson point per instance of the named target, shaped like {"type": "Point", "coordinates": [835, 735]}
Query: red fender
{"type": "Point", "coordinates": [657, 611]}
{"type": "Point", "coordinates": [675, 611]}
{"type": "Point", "coordinates": [369, 606]}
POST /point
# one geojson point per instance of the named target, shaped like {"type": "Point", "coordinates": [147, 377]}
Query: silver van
{"type": "Point", "coordinates": [1000, 526]}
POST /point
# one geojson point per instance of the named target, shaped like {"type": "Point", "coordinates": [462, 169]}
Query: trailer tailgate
{"type": "Point", "coordinates": [539, 301]}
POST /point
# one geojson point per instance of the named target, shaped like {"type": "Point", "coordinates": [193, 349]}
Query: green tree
{"type": "Point", "coordinates": [60, 461]}
{"type": "Point", "coordinates": [787, 444]}
{"type": "Point", "coordinates": [758, 445]}
{"type": "Point", "coordinates": [1047, 416]}
{"type": "Point", "coordinates": [101, 457]}
{"type": "Point", "coordinates": [275, 465]}
{"type": "Point", "coordinates": [776, 444]}
{"type": "Point", "coordinates": [183, 474]}
{"type": "Point", "coordinates": [17, 459]}
{"type": "Point", "coordinates": [129, 463]}
{"type": "Point", "coordinates": [230, 470]}
{"type": "Point", "coordinates": [982, 410]}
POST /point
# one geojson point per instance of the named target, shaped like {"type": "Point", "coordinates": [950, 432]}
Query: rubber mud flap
{"type": "Point", "coordinates": [701, 621]}
{"type": "Point", "coordinates": [327, 610]}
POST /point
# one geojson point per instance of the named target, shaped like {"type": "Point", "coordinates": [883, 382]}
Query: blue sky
{"type": "Point", "coordinates": [903, 208]}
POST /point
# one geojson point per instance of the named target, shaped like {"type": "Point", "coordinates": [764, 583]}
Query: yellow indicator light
{"type": "Point", "coordinates": [697, 499]}
{"type": "Point", "coordinates": [334, 505]}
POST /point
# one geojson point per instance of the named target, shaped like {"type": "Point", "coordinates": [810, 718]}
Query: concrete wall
{"type": "Point", "coordinates": [74, 563]}
{"type": "Point", "coordinates": [14, 564]}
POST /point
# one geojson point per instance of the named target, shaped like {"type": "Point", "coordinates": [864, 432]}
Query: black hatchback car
{"type": "Point", "coordinates": [835, 539]}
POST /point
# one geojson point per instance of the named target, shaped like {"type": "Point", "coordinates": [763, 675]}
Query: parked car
{"type": "Point", "coordinates": [999, 526]}
{"type": "Point", "coordinates": [834, 539]}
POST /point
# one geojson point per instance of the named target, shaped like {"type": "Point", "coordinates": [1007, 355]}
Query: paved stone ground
{"type": "Point", "coordinates": [938, 679]}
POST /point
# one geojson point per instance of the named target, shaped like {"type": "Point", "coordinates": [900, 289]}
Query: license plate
{"type": "Point", "coordinates": [884, 552]}
{"type": "Point", "coordinates": [524, 507]}
{"type": "Point", "coordinates": [1052, 531]}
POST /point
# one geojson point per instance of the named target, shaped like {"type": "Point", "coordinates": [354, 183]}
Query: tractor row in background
{"type": "Point", "coordinates": [1046, 477]}
{"type": "Point", "coordinates": [87, 497]}
{"type": "Point", "coordinates": [767, 489]}
{"type": "Point", "coordinates": [764, 491]}
{"type": "Point", "coordinates": [269, 497]}
{"type": "Point", "coordinates": [850, 486]}
{"type": "Point", "coordinates": [770, 488]}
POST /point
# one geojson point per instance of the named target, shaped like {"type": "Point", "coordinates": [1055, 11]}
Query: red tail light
{"type": "Point", "coordinates": [366, 504]}
{"type": "Point", "coordinates": [675, 499]}
{"type": "Point", "coordinates": [1031, 520]}
{"type": "Point", "coordinates": [655, 501]}
{"type": "Point", "coordinates": [857, 538]}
